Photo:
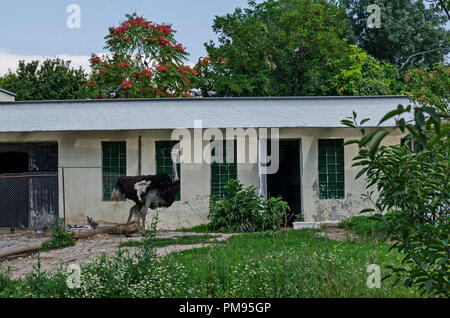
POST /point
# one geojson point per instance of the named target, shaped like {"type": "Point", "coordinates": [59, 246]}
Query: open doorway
{"type": "Point", "coordinates": [14, 162]}
{"type": "Point", "coordinates": [286, 183]}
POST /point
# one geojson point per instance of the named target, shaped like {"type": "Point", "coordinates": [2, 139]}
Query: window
{"type": "Point", "coordinates": [164, 162]}
{"type": "Point", "coordinates": [331, 169]}
{"type": "Point", "coordinates": [221, 173]}
{"type": "Point", "coordinates": [114, 165]}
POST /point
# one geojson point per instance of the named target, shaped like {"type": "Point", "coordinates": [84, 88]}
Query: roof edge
{"type": "Point", "coordinates": [198, 99]}
{"type": "Point", "coordinates": [7, 92]}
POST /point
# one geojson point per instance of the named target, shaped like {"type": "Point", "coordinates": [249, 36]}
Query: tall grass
{"type": "Point", "coordinates": [268, 264]}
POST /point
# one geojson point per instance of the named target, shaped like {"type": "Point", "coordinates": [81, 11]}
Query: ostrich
{"type": "Point", "coordinates": [154, 191]}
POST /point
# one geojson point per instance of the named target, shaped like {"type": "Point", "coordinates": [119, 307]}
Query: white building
{"type": "Point", "coordinates": [62, 158]}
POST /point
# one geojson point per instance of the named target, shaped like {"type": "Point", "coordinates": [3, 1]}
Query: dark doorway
{"type": "Point", "coordinates": [13, 162]}
{"type": "Point", "coordinates": [286, 182]}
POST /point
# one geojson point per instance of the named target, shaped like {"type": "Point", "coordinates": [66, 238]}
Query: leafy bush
{"type": "Point", "coordinates": [413, 184]}
{"type": "Point", "coordinates": [363, 225]}
{"type": "Point", "coordinates": [60, 238]}
{"type": "Point", "coordinates": [243, 210]}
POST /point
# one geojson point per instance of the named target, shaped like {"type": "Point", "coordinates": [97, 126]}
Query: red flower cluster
{"type": "Point", "coordinates": [182, 71]}
{"type": "Point", "coordinates": [147, 73]}
{"type": "Point", "coordinates": [126, 84]}
{"type": "Point", "coordinates": [95, 59]}
{"type": "Point", "coordinates": [124, 64]}
{"type": "Point", "coordinates": [92, 83]}
{"type": "Point", "coordinates": [178, 47]}
{"type": "Point", "coordinates": [164, 28]}
{"type": "Point", "coordinates": [163, 40]}
{"type": "Point", "coordinates": [162, 68]}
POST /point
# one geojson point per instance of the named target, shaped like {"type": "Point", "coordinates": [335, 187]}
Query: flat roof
{"type": "Point", "coordinates": [171, 113]}
{"type": "Point", "coordinates": [7, 92]}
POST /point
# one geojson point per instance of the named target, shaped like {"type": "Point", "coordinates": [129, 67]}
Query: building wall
{"type": "Point", "coordinates": [80, 176]}
{"type": "Point", "coordinates": [6, 97]}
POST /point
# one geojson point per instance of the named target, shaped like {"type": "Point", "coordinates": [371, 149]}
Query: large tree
{"type": "Point", "coordinates": [48, 80]}
{"type": "Point", "coordinates": [286, 47]}
{"type": "Point", "coordinates": [144, 60]}
{"type": "Point", "coordinates": [411, 34]}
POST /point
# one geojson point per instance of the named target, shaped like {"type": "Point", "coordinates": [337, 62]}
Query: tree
{"type": "Point", "coordinates": [411, 35]}
{"type": "Point", "coordinates": [50, 80]}
{"type": "Point", "coordinates": [365, 75]}
{"type": "Point", "coordinates": [413, 185]}
{"type": "Point", "coordinates": [287, 48]}
{"type": "Point", "coordinates": [144, 61]}
{"type": "Point", "coordinates": [429, 87]}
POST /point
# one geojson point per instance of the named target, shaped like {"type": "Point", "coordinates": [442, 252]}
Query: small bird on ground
{"type": "Point", "coordinates": [12, 229]}
{"type": "Point", "coordinates": [92, 223]}
{"type": "Point", "coordinates": [39, 233]}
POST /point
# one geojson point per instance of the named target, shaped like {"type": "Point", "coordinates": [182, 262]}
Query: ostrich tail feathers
{"type": "Point", "coordinates": [116, 194]}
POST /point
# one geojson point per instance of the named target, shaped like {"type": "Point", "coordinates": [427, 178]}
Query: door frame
{"type": "Point", "coordinates": [262, 177]}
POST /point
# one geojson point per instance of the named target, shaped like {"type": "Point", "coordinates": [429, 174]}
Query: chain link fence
{"type": "Point", "coordinates": [28, 200]}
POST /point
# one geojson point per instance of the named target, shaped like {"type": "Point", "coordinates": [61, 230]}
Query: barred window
{"type": "Point", "coordinates": [114, 165]}
{"type": "Point", "coordinates": [223, 172]}
{"type": "Point", "coordinates": [331, 169]}
{"type": "Point", "coordinates": [164, 162]}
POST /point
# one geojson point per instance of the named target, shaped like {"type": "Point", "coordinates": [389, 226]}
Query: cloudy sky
{"type": "Point", "coordinates": [35, 29]}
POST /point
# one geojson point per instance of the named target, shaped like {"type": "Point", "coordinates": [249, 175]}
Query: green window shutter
{"type": "Point", "coordinates": [221, 173]}
{"type": "Point", "coordinates": [164, 161]}
{"type": "Point", "coordinates": [114, 165]}
{"type": "Point", "coordinates": [331, 169]}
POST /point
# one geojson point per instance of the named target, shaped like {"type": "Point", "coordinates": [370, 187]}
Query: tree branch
{"type": "Point", "coordinates": [423, 53]}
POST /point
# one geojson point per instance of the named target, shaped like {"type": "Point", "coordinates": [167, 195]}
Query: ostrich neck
{"type": "Point", "coordinates": [175, 170]}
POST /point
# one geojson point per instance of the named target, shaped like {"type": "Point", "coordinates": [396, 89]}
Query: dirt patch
{"type": "Point", "coordinates": [87, 249]}
{"type": "Point", "coordinates": [337, 234]}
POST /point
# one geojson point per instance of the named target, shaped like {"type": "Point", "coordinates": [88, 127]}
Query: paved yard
{"type": "Point", "coordinates": [82, 252]}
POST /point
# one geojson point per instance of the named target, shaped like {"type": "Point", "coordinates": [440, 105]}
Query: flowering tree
{"type": "Point", "coordinates": [144, 61]}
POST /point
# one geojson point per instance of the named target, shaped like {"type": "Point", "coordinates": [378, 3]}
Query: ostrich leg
{"type": "Point", "coordinates": [133, 210]}
{"type": "Point", "coordinates": [143, 216]}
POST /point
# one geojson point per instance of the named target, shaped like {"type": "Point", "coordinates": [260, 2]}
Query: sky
{"type": "Point", "coordinates": [36, 29]}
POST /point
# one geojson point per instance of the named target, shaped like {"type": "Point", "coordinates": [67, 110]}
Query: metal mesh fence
{"type": "Point", "coordinates": [28, 199]}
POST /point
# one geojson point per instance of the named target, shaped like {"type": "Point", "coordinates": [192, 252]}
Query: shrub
{"type": "Point", "coordinates": [242, 209]}
{"type": "Point", "coordinates": [60, 238]}
{"type": "Point", "coordinates": [363, 225]}
{"type": "Point", "coordinates": [412, 181]}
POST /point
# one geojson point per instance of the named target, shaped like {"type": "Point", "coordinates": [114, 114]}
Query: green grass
{"type": "Point", "coordinates": [267, 264]}
{"type": "Point", "coordinates": [288, 264]}
{"type": "Point", "coordinates": [202, 228]}
{"type": "Point", "coordinates": [179, 240]}
{"type": "Point", "coordinates": [363, 225]}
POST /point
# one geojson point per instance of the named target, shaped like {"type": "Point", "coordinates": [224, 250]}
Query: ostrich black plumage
{"type": "Point", "coordinates": [149, 192]}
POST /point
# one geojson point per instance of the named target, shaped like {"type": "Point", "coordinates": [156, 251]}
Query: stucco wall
{"type": "Point", "coordinates": [6, 97]}
{"type": "Point", "coordinates": [80, 176]}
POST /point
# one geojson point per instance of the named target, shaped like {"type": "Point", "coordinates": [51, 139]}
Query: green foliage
{"type": "Point", "coordinates": [51, 79]}
{"type": "Point", "coordinates": [363, 225]}
{"type": "Point", "coordinates": [407, 27]}
{"type": "Point", "coordinates": [276, 48]}
{"type": "Point", "coordinates": [365, 75]}
{"type": "Point", "coordinates": [243, 209]}
{"type": "Point", "coordinates": [290, 48]}
{"type": "Point", "coordinates": [60, 237]}
{"type": "Point", "coordinates": [413, 184]}
{"type": "Point", "coordinates": [429, 87]}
